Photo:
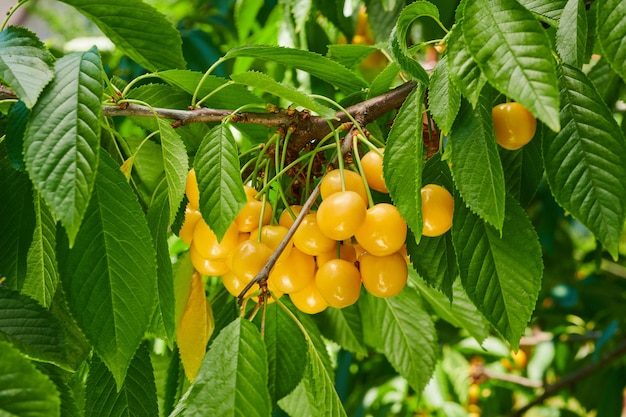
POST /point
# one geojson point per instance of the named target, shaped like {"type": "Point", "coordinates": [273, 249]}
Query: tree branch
{"type": "Point", "coordinates": [306, 128]}
{"type": "Point", "coordinates": [553, 389]}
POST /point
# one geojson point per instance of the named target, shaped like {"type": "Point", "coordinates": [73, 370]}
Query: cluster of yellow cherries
{"type": "Point", "coordinates": [336, 249]}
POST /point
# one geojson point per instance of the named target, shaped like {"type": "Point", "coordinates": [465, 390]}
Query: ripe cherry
{"type": "Point", "coordinates": [248, 258]}
{"type": "Point", "coordinates": [208, 267]}
{"type": "Point", "coordinates": [383, 276]}
{"type": "Point", "coordinates": [310, 239]}
{"type": "Point", "coordinates": [331, 183]}
{"type": "Point", "coordinates": [513, 124]}
{"type": "Point", "coordinates": [192, 216]}
{"type": "Point", "coordinates": [339, 282]}
{"type": "Point", "coordinates": [347, 252]}
{"type": "Point", "coordinates": [384, 230]}
{"type": "Point", "coordinates": [309, 299]}
{"type": "Point", "coordinates": [437, 210]}
{"type": "Point", "coordinates": [294, 273]}
{"type": "Point", "coordinates": [340, 214]}
{"type": "Point", "coordinates": [209, 247]}
{"type": "Point", "coordinates": [372, 163]}
{"type": "Point", "coordinates": [191, 189]}
{"type": "Point", "coordinates": [286, 219]}
{"type": "Point", "coordinates": [249, 217]}
{"type": "Point", "coordinates": [271, 236]}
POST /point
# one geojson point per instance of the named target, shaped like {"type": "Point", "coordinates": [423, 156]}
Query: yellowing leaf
{"type": "Point", "coordinates": [192, 332]}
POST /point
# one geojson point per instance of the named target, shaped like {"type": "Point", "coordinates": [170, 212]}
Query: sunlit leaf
{"type": "Point", "coordinates": [137, 28]}
{"type": "Point", "coordinates": [62, 141]}
{"type": "Point", "coordinates": [25, 63]}
{"type": "Point", "coordinates": [233, 377]}
{"type": "Point", "coordinates": [513, 51]}
{"type": "Point", "coordinates": [175, 163]}
{"type": "Point", "coordinates": [571, 36]}
{"type": "Point", "coordinates": [464, 71]}
{"type": "Point", "coordinates": [403, 160]}
{"type": "Point", "coordinates": [444, 100]}
{"type": "Point", "coordinates": [219, 180]}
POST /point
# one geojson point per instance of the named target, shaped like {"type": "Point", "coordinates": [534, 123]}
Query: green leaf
{"type": "Point", "coordinates": [464, 71]}
{"type": "Point", "coordinates": [315, 64]}
{"type": "Point", "coordinates": [585, 163]}
{"type": "Point", "coordinates": [163, 319]}
{"type": "Point", "coordinates": [217, 170]}
{"type": "Point", "coordinates": [349, 55]}
{"type": "Point", "coordinates": [343, 326]}
{"type": "Point", "coordinates": [384, 80]}
{"type": "Point", "coordinates": [513, 51]}
{"type": "Point", "coordinates": [315, 396]}
{"type": "Point", "coordinates": [31, 328]}
{"type": "Point", "coordinates": [444, 100]}
{"type": "Point", "coordinates": [435, 260]}
{"type": "Point", "coordinates": [301, 10]}
{"type": "Point", "coordinates": [611, 30]}
{"type": "Point", "coordinates": [571, 36]}
{"type": "Point", "coordinates": [405, 333]}
{"type": "Point", "coordinates": [63, 138]}
{"type": "Point", "coordinates": [501, 274]}
{"type": "Point", "coordinates": [266, 83]}
{"type": "Point", "coordinates": [25, 63]}
{"type": "Point", "coordinates": [137, 28]}
{"type": "Point", "coordinates": [176, 165]}
{"type": "Point", "coordinates": [606, 81]}
{"type": "Point", "coordinates": [481, 184]}
{"type": "Point", "coordinates": [232, 380]}
{"type": "Point", "coordinates": [136, 397]}
{"type": "Point", "coordinates": [109, 276]}
{"type": "Point", "coordinates": [17, 222]}
{"type": "Point", "coordinates": [182, 284]}
{"type": "Point", "coordinates": [547, 10]}
{"type": "Point", "coordinates": [403, 160]}
{"type": "Point", "coordinates": [42, 277]}
{"type": "Point", "coordinates": [245, 14]}
{"type": "Point", "coordinates": [24, 390]}
{"type": "Point", "coordinates": [459, 311]}
{"type": "Point", "coordinates": [399, 36]}
{"type": "Point", "coordinates": [286, 352]}
{"type": "Point", "coordinates": [229, 96]}
{"type": "Point", "coordinates": [16, 127]}
{"type": "Point", "coordinates": [523, 170]}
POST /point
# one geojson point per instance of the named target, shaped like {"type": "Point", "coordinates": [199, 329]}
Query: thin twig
{"type": "Point", "coordinates": [264, 272]}
{"type": "Point", "coordinates": [553, 389]}
{"type": "Point", "coordinates": [515, 379]}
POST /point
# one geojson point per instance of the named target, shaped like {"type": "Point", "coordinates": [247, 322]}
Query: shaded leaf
{"type": "Point", "coordinates": [458, 311]}
{"type": "Point", "coordinates": [523, 170]}
{"type": "Point", "coordinates": [217, 170]}
{"type": "Point", "coordinates": [16, 127]}
{"type": "Point", "coordinates": [137, 28]}
{"type": "Point", "coordinates": [585, 163]}
{"type": "Point", "coordinates": [42, 277]}
{"type": "Point", "coordinates": [571, 35]}
{"type": "Point", "coordinates": [17, 222]}
{"type": "Point", "coordinates": [501, 274]}
{"type": "Point", "coordinates": [315, 64]}
{"type": "Point", "coordinates": [611, 32]}
{"type": "Point", "coordinates": [62, 140]}
{"type": "Point", "coordinates": [136, 397]}
{"type": "Point", "coordinates": [405, 333]}
{"type": "Point", "coordinates": [403, 161]}
{"type": "Point", "coordinates": [246, 12]}
{"type": "Point", "coordinates": [113, 298]}
{"type": "Point", "coordinates": [480, 184]}
{"type": "Point", "coordinates": [25, 63]}
{"type": "Point", "coordinates": [31, 328]}
{"type": "Point", "coordinates": [286, 352]}
{"type": "Point", "coordinates": [266, 83]}
{"type": "Point", "coordinates": [24, 390]}
{"type": "Point", "coordinates": [513, 51]}
{"type": "Point", "coordinates": [343, 326]}
{"type": "Point", "coordinates": [606, 81]}
{"type": "Point", "coordinates": [163, 321]}
{"type": "Point", "coordinates": [233, 377]}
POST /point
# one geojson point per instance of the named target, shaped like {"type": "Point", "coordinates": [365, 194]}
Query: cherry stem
{"type": "Point", "coordinates": [264, 272]}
